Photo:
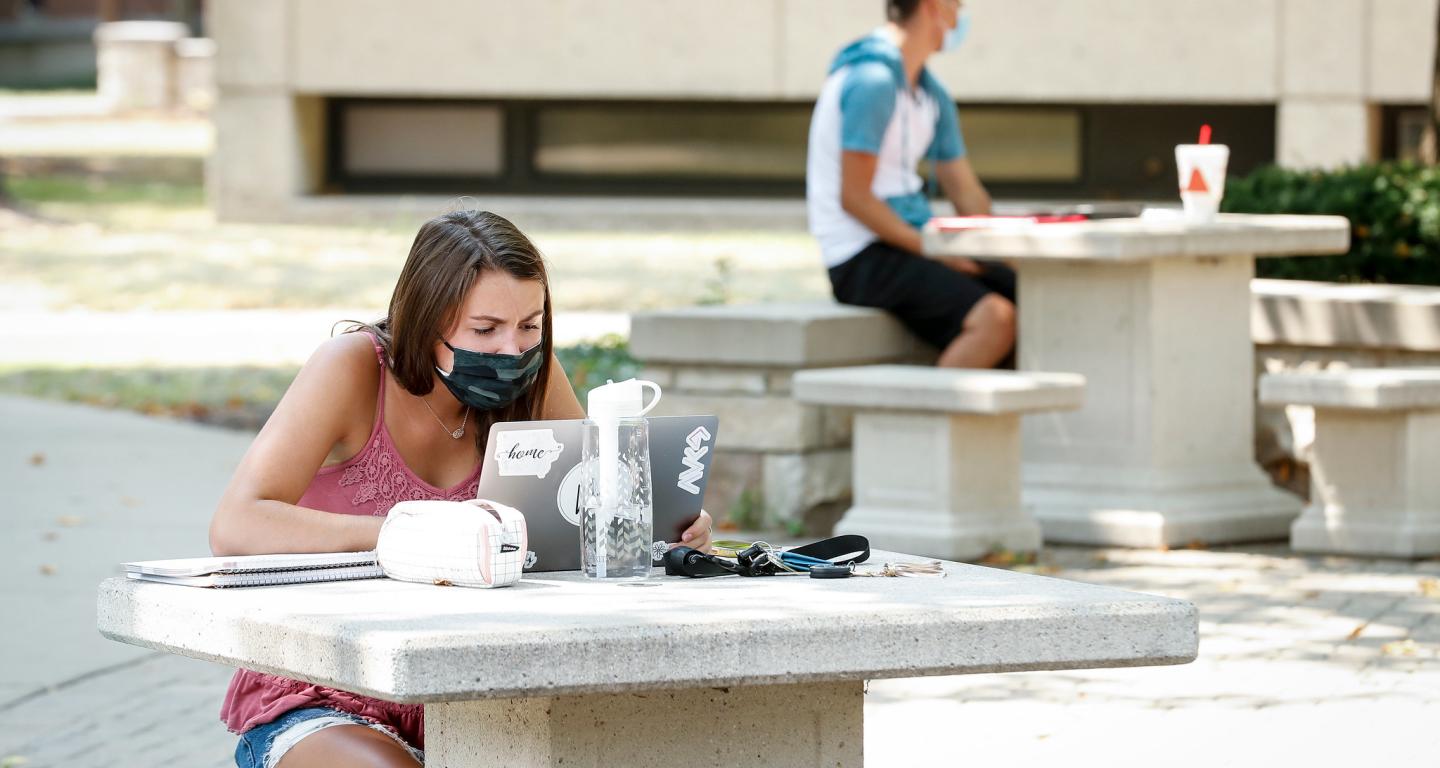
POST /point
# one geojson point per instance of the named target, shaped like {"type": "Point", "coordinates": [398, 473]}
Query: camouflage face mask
{"type": "Point", "coordinates": [485, 381]}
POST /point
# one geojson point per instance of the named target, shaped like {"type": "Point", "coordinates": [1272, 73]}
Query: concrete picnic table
{"type": "Point", "coordinates": [559, 670]}
{"type": "Point", "coordinates": [1155, 313]}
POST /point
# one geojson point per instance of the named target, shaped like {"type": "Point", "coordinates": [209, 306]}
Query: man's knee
{"type": "Point", "coordinates": [993, 315]}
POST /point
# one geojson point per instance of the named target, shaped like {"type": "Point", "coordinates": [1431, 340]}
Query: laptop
{"type": "Point", "coordinates": [533, 467]}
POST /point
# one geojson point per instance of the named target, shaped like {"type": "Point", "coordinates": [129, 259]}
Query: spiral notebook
{"type": "Point", "coordinates": [258, 570]}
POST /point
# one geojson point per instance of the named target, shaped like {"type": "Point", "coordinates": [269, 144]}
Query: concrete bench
{"type": "Point", "coordinates": [1375, 481]}
{"type": "Point", "coordinates": [135, 63]}
{"type": "Point", "coordinates": [561, 671]}
{"type": "Point", "coordinates": [1300, 325]}
{"type": "Point", "coordinates": [780, 462]}
{"type": "Point", "coordinates": [937, 453]}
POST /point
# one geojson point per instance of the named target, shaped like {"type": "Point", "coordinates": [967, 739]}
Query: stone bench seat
{"type": "Point", "coordinates": [937, 453]}
{"type": "Point", "coordinates": [779, 463]}
{"type": "Point", "coordinates": [1374, 487]}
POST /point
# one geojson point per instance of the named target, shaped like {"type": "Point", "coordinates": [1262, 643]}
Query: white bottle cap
{"type": "Point", "coordinates": [620, 400]}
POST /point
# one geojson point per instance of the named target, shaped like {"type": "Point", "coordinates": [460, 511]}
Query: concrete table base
{"type": "Point", "coordinates": [1115, 508]}
{"type": "Point", "coordinates": [798, 725]}
{"type": "Point", "coordinates": [1155, 313]}
{"type": "Point", "coordinates": [1162, 453]}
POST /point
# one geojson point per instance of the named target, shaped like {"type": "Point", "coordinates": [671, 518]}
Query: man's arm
{"type": "Point", "coordinates": [962, 187]}
{"type": "Point", "coordinates": [857, 171]}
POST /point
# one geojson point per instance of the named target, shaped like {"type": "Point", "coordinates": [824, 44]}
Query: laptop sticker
{"type": "Point", "coordinates": [567, 498]}
{"type": "Point", "coordinates": [527, 452]}
{"type": "Point", "coordinates": [695, 450]}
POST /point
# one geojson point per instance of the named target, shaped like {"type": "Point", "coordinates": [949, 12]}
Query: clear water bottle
{"type": "Point", "coordinates": [616, 511]}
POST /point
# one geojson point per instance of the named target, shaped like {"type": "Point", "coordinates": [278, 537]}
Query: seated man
{"type": "Point", "coordinates": [879, 114]}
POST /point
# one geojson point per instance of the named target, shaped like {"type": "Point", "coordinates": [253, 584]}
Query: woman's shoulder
{"type": "Point", "coordinates": [350, 351]}
{"type": "Point", "coordinates": [347, 362]}
{"type": "Point", "coordinates": [336, 389]}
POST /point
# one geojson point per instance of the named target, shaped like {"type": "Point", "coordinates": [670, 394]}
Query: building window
{"type": "Point", "coordinates": [1017, 144]}
{"type": "Point", "coordinates": [717, 149]}
{"type": "Point", "coordinates": [1402, 128]}
{"type": "Point", "coordinates": [667, 141]}
{"type": "Point", "coordinates": [422, 140]}
{"type": "Point", "coordinates": [1130, 149]}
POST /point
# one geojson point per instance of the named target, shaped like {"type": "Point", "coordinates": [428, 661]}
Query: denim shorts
{"type": "Point", "coordinates": [264, 745]}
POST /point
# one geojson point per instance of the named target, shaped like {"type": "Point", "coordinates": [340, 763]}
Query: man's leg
{"type": "Point", "coordinates": [961, 315]}
{"type": "Point", "coordinates": [986, 338]}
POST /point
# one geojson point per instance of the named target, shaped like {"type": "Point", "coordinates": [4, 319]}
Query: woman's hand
{"type": "Point", "coordinates": [697, 536]}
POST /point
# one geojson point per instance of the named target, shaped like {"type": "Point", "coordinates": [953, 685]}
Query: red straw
{"type": "Point", "coordinates": [1205, 134]}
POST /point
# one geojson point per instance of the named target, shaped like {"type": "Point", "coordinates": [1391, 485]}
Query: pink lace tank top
{"type": "Point", "coordinates": [369, 483]}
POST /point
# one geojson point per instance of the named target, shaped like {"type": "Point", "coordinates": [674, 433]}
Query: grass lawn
{"type": "Point", "coordinates": [244, 396]}
{"type": "Point", "coordinates": [74, 243]}
{"type": "Point", "coordinates": [122, 246]}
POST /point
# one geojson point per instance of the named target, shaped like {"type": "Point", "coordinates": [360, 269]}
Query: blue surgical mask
{"type": "Point", "coordinates": [956, 34]}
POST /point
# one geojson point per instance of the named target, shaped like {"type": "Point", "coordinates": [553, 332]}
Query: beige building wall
{"type": "Point", "coordinates": [1325, 64]}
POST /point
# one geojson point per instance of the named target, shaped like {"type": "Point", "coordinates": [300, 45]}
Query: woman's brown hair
{"type": "Point", "coordinates": [450, 253]}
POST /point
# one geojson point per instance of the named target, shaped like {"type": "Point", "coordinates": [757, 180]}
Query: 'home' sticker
{"type": "Point", "coordinates": [527, 452]}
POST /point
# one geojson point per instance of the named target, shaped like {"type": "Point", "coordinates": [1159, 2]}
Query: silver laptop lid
{"type": "Point", "coordinates": [532, 466]}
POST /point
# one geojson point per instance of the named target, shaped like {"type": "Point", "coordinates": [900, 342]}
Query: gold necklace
{"type": "Point", "coordinates": [456, 433]}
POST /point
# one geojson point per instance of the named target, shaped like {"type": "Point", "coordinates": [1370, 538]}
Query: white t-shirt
{"type": "Point", "coordinates": [863, 108]}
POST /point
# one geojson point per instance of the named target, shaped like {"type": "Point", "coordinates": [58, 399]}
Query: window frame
{"type": "Point", "coordinates": [519, 174]}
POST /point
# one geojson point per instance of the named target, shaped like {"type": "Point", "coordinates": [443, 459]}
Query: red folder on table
{"type": "Point", "coordinates": [959, 223]}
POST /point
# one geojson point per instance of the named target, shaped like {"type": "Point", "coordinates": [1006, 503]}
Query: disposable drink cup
{"type": "Point", "coordinates": [1202, 179]}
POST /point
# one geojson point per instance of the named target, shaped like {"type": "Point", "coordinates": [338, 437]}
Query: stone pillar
{"type": "Point", "coordinates": [799, 725]}
{"type": "Point", "coordinates": [1324, 120]}
{"type": "Point", "coordinates": [780, 462]}
{"type": "Point", "coordinates": [135, 63]}
{"type": "Point", "coordinates": [195, 73]}
{"type": "Point", "coordinates": [1323, 133]}
{"type": "Point", "coordinates": [269, 140]}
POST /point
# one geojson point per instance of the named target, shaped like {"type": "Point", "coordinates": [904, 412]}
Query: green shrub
{"type": "Point", "coordinates": [589, 364]}
{"type": "Point", "coordinates": [1394, 213]}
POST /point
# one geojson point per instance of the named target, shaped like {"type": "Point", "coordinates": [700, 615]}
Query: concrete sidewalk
{"type": "Point", "coordinates": [1310, 661]}
{"type": "Point", "coordinates": [87, 489]}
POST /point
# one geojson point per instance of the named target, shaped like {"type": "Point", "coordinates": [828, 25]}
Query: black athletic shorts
{"type": "Point", "coordinates": [930, 298]}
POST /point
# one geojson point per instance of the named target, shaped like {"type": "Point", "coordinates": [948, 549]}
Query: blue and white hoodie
{"type": "Point", "coordinates": [866, 106]}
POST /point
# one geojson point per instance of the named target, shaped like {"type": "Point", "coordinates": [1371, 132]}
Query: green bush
{"type": "Point", "coordinates": [1394, 213]}
{"type": "Point", "coordinates": [589, 364]}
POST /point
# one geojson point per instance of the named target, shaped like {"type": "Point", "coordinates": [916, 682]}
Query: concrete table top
{"type": "Point", "coordinates": [559, 634]}
{"type": "Point", "coordinates": [1138, 239]}
{"type": "Point", "coordinates": [927, 388]}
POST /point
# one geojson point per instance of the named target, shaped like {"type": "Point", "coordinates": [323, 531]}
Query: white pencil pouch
{"type": "Point", "coordinates": [474, 543]}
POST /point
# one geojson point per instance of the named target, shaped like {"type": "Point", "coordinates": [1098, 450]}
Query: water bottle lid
{"type": "Point", "coordinates": [619, 400]}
